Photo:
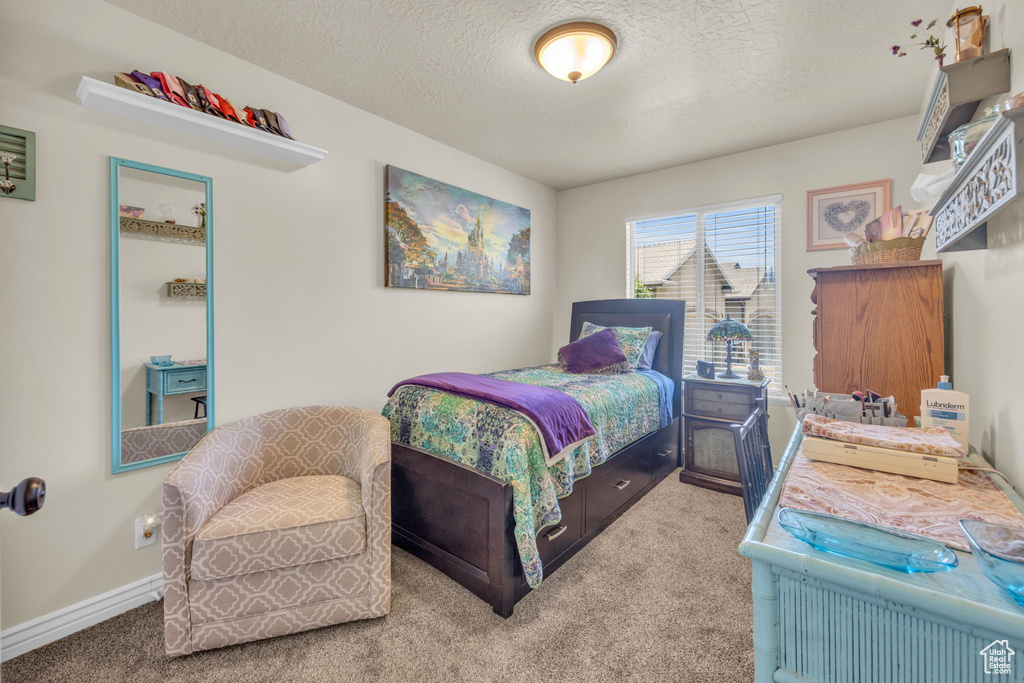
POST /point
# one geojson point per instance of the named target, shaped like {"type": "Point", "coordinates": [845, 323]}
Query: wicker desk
{"type": "Point", "coordinates": [821, 617]}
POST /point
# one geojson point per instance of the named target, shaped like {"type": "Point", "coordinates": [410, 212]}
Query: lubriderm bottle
{"type": "Point", "coordinates": [943, 407]}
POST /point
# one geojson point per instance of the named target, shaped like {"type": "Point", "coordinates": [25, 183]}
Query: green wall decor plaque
{"type": "Point", "coordinates": [18, 159]}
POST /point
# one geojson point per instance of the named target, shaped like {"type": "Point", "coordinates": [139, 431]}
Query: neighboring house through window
{"type": "Point", "coordinates": [721, 259]}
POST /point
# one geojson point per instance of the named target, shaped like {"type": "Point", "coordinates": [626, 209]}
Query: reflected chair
{"type": "Point", "coordinates": [276, 524]}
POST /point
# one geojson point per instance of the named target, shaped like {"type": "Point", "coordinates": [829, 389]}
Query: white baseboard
{"type": "Point", "coordinates": [23, 638]}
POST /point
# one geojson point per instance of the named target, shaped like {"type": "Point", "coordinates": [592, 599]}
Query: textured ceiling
{"type": "Point", "coordinates": [692, 79]}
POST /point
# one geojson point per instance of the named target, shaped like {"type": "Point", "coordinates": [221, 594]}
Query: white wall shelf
{"type": "Point", "coordinates": [987, 183]}
{"type": "Point", "coordinates": [113, 99]}
{"type": "Point", "coordinates": [955, 96]}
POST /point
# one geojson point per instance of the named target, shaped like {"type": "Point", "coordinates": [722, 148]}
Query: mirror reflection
{"type": "Point", "coordinates": [162, 314]}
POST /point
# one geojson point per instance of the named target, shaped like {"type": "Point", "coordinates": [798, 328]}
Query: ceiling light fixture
{"type": "Point", "coordinates": [574, 51]}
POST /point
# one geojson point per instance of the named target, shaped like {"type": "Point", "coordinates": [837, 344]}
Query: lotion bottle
{"type": "Point", "coordinates": [943, 407]}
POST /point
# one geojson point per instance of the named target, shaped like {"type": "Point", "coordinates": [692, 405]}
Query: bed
{"type": "Point", "coordinates": [462, 519]}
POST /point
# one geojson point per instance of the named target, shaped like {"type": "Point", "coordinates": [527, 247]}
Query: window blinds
{"type": "Point", "coordinates": [722, 260]}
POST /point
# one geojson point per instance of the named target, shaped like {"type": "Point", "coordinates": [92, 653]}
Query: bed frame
{"type": "Point", "coordinates": [459, 519]}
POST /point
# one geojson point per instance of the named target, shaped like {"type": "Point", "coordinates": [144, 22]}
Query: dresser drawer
{"type": "Point", "coordinates": [664, 452]}
{"type": "Point", "coordinates": [720, 395]}
{"type": "Point", "coordinates": [184, 380]}
{"type": "Point", "coordinates": [555, 540]}
{"type": "Point", "coordinates": [722, 401]}
{"type": "Point", "coordinates": [726, 411]}
{"type": "Point", "coordinates": [608, 491]}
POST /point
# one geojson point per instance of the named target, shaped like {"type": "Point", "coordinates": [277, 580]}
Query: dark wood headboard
{"type": "Point", "coordinates": [663, 315]}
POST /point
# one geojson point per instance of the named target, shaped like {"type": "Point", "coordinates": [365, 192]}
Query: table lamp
{"type": "Point", "coordinates": [729, 331]}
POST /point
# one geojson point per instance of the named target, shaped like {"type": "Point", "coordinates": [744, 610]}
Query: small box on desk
{"type": "Point", "coordinates": [921, 465]}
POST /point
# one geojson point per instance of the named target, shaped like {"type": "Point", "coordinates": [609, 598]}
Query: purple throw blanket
{"type": "Point", "coordinates": [559, 419]}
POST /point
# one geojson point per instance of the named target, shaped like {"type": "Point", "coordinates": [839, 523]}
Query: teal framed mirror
{"type": "Point", "coordinates": [161, 313]}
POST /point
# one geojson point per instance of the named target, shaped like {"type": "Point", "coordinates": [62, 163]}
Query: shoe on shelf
{"type": "Point", "coordinates": [191, 94]}
{"type": "Point", "coordinates": [206, 100]}
{"type": "Point", "coordinates": [171, 86]}
{"type": "Point", "coordinates": [229, 109]}
{"type": "Point", "coordinates": [152, 83]}
{"type": "Point", "coordinates": [286, 130]}
{"type": "Point", "coordinates": [260, 119]}
{"type": "Point", "coordinates": [129, 82]}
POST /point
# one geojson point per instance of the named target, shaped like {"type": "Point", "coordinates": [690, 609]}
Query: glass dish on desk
{"type": "Point", "coordinates": [999, 550]}
{"type": "Point", "coordinates": [879, 545]}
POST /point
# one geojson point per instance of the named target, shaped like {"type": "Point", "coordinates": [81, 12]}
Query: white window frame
{"type": "Point", "coordinates": [776, 392]}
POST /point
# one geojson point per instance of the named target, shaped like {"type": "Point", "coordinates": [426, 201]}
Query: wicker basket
{"type": "Point", "coordinates": [888, 251]}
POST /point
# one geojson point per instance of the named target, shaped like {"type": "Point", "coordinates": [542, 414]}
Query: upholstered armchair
{"type": "Point", "coordinates": [276, 524]}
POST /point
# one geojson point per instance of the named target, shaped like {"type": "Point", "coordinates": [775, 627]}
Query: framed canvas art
{"type": "Point", "coordinates": [438, 236]}
{"type": "Point", "coordinates": [834, 212]}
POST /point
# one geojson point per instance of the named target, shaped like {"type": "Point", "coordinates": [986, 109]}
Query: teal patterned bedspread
{"type": "Point", "coordinates": [503, 443]}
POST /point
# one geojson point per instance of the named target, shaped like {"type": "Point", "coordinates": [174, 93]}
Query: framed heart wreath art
{"type": "Point", "coordinates": [834, 212]}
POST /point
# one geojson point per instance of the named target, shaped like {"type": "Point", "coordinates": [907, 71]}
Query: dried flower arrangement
{"type": "Point", "coordinates": [930, 43]}
{"type": "Point", "coordinates": [200, 210]}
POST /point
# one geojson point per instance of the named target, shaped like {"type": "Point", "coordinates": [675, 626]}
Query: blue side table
{"type": "Point", "coordinates": [822, 617]}
{"type": "Point", "coordinates": [168, 380]}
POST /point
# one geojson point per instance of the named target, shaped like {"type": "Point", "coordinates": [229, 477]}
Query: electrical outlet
{"type": "Point", "coordinates": [140, 537]}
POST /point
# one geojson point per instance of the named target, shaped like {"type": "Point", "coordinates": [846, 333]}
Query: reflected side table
{"type": "Point", "coordinates": [179, 378]}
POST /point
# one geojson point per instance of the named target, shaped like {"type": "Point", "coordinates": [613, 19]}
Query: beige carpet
{"type": "Point", "coordinates": [661, 595]}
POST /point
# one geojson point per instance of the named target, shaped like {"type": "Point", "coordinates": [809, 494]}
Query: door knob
{"type": "Point", "coordinates": [25, 498]}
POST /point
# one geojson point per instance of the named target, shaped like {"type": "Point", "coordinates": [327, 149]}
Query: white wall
{"type": "Point", "coordinates": [986, 304]}
{"type": "Point", "coordinates": [592, 232]}
{"type": "Point", "coordinates": [302, 314]}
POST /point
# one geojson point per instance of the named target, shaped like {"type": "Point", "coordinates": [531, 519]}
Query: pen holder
{"type": "Point", "coordinates": [844, 407]}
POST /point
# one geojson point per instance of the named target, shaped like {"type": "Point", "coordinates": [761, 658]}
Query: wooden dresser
{"type": "Point", "coordinates": [879, 327]}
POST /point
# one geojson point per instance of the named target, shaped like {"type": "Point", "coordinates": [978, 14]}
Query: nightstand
{"type": "Point", "coordinates": [709, 447]}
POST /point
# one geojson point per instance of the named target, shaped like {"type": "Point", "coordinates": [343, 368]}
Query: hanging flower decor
{"type": "Point", "coordinates": [932, 42]}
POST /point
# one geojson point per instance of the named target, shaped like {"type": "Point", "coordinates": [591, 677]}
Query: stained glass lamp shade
{"type": "Point", "coordinates": [729, 331]}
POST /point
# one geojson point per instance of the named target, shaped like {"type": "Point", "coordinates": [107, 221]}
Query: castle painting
{"type": "Point", "coordinates": [438, 236]}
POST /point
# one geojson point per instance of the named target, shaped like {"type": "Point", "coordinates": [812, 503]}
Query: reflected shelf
{"type": "Point", "coordinates": [195, 290]}
{"type": "Point", "coordinates": [158, 229]}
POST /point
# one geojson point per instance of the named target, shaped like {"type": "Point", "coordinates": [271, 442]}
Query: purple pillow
{"type": "Point", "coordinates": [590, 353]}
{"type": "Point", "coordinates": [647, 357]}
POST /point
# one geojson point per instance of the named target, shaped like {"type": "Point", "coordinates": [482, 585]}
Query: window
{"type": "Point", "coordinates": [722, 260]}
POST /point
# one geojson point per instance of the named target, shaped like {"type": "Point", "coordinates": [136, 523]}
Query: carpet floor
{"type": "Point", "coordinates": [661, 595]}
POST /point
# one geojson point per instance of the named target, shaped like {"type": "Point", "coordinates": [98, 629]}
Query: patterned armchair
{"type": "Point", "coordinates": [276, 524]}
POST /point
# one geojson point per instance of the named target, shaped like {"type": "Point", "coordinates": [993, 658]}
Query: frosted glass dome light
{"type": "Point", "coordinates": [574, 51]}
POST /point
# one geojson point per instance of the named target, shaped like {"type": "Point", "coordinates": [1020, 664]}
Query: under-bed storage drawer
{"type": "Point", "coordinates": [664, 452]}
{"type": "Point", "coordinates": [555, 540]}
{"type": "Point", "coordinates": [608, 491]}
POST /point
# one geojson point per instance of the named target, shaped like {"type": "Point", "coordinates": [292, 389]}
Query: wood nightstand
{"type": "Point", "coordinates": [709, 447]}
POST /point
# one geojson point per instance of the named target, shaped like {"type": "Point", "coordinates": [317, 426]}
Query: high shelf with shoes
{"type": "Point", "coordinates": [114, 99]}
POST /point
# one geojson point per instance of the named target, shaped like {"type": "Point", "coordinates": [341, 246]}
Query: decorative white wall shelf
{"type": "Point", "coordinates": [186, 289]}
{"type": "Point", "coordinates": [987, 182]}
{"type": "Point", "coordinates": [157, 229]}
{"type": "Point", "coordinates": [954, 99]}
{"type": "Point", "coordinates": [113, 99]}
